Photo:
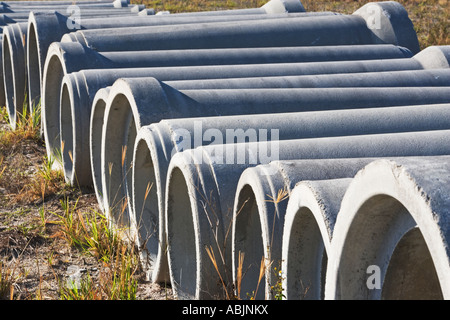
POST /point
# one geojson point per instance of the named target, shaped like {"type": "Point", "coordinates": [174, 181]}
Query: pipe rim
{"type": "Point", "coordinates": [384, 180]}
{"type": "Point", "coordinates": [95, 141]}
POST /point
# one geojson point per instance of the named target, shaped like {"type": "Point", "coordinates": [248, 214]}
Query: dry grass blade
{"type": "Point", "coordinates": [212, 257]}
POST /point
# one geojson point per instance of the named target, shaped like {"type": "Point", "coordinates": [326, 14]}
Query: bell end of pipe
{"type": "Point", "coordinates": [389, 23]}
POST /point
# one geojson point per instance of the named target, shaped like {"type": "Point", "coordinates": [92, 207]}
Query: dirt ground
{"type": "Point", "coordinates": [33, 255]}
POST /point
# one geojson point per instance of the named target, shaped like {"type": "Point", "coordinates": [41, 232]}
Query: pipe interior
{"type": "Point", "coordinates": [248, 241]}
{"type": "Point", "coordinates": [411, 274]}
{"type": "Point", "coordinates": [51, 109]}
{"type": "Point", "coordinates": [67, 135]}
{"type": "Point", "coordinates": [34, 69]}
{"type": "Point", "coordinates": [381, 225]}
{"type": "Point", "coordinates": [96, 143]}
{"type": "Point", "coordinates": [181, 236]}
{"type": "Point", "coordinates": [307, 259]}
{"type": "Point", "coordinates": [8, 76]}
{"type": "Point", "coordinates": [119, 137]}
{"type": "Point", "coordinates": [146, 209]}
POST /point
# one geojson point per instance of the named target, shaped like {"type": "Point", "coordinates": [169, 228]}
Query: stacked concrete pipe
{"type": "Point", "coordinates": [123, 116]}
{"type": "Point", "coordinates": [15, 42]}
{"type": "Point", "coordinates": [396, 29]}
{"type": "Point", "coordinates": [157, 143]}
{"type": "Point", "coordinates": [40, 38]}
{"type": "Point", "coordinates": [204, 180]}
{"type": "Point", "coordinates": [394, 219]}
{"type": "Point", "coordinates": [79, 98]}
{"type": "Point", "coordinates": [21, 5]}
{"type": "Point", "coordinates": [78, 88]}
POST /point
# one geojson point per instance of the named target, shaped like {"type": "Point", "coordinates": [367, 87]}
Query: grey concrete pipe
{"type": "Point", "coordinates": [308, 226]}
{"type": "Point", "coordinates": [40, 36]}
{"type": "Point", "coordinates": [13, 80]}
{"type": "Point", "coordinates": [204, 180]}
{"type": "Point", "coordinates": [295, 231]}
{"type": "Point", "coordinates": [391, 237]}
{"type": "Point", "coordinates": [260, 221]}
{"type": "Point", "coordinates": [18, 59]}
{"type": "Point", "coordinates": [14, 66]}
{"type": "Point", "coordinates": [157, 143]}
{"type": "Point", "coordinates": [79, 88]}
{"type": "Point", "coordinates": [64, 58]}
{"type": "Point", "coordinates": [32, 4]}
{"type": "Point", "coordinates": [328, 30]}
{"type": "Point", "coordinates": [128, 109]}
{"type": "Point", "coordinates": [95, 140]}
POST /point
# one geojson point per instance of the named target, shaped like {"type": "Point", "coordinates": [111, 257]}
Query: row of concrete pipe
{"type": "Point", "coordinates": [315, 143]}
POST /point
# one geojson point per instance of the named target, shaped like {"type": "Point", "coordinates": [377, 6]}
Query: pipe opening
{"type": "Point", "coordinates": [95, 145]}
{"type": "Point", "coordinates": [380, 244]}
{"type": "Point", "coordinates": [411, 274]}
{"type": "Point", "coordinates": [34, 68]}
{"type": "Point", "coordinates": [9, 80]}
{"type": "Point", "coordinates": [67, 135]}
{"type": "Point", "coordinates": [51, 110]}
{"type": "Point", "coordinates": [306, 258]}
{"type": "Point", "coordinates": [119, 137]}
{"type": "Point", "coordinates": [248, 241]}
{"type": "Point", "coordinates": [181, 237]}
{"type": "Point", "coordinates": [146, 208]}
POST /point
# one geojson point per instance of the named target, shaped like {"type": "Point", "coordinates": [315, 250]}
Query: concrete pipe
{"type": "Point", "coordinates": [14, 65]}
{"type": "Point", "coordinates": [308, 226]}
{"type": "Point", "coordinates": [65, 58]}
{"type": "Point", "coordinates": [157, 143]}
{"type": "Point", "coordinates": [19, 35]}
{"type": "Point", "coordinates": [200, 72]}
{"type": "Point", "coordinates": [33, 4]}
{"type": "Point", "coordinates": [75, 112]}
{"type": "Point", "coordinates": [204, 180]}
{"type": "Point", "coordinates": [391, 237]}
{"type": "Point", "coordinates": [40, 36]}
{"type": "Point", "coordinates": [259, 220]}
{"type": "Point", "coordinates": [40, 39]}
{"type": "Point", "coordinates": [79, 88]}
{"type": "Point", "coordinates": [17, 62]}
{"type": "Point", "coordinates": [319, 31]}
{"type": "Point", "coordinates": [14, 37]}
{"type": "Point", "coordinates": [128, 109]}
{"type": "Point", "coordinates": [95, 139]}
{"type": "Point", "coordinates": [10, 18]}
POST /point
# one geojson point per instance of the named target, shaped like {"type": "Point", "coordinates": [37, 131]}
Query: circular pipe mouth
{"type": "Point", "coordinates": [306, 258]}
{"type": "Point", "coordinates": [411, 274]}
{"type": "Point", "coordinates": [51, 109]}
{"type": "Point", "coordinates": [248, 247]}
{"type": "Point", "coordinates": [95, 142]}
{"type": "Point", "coordinates": [118, 137]}
{"type": "Point", "coordinates": [181, 237]}
{"type": "Point", "coordinates": [146, 209]}
{"type": "Point", "coordinates": [9, 80]}
{"type": "Point", "coordinates": [34, 67]}
{"type": "Point", "coordinates": [384, 234]}
{"type": "Point", "coordinates": [68, 134]}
